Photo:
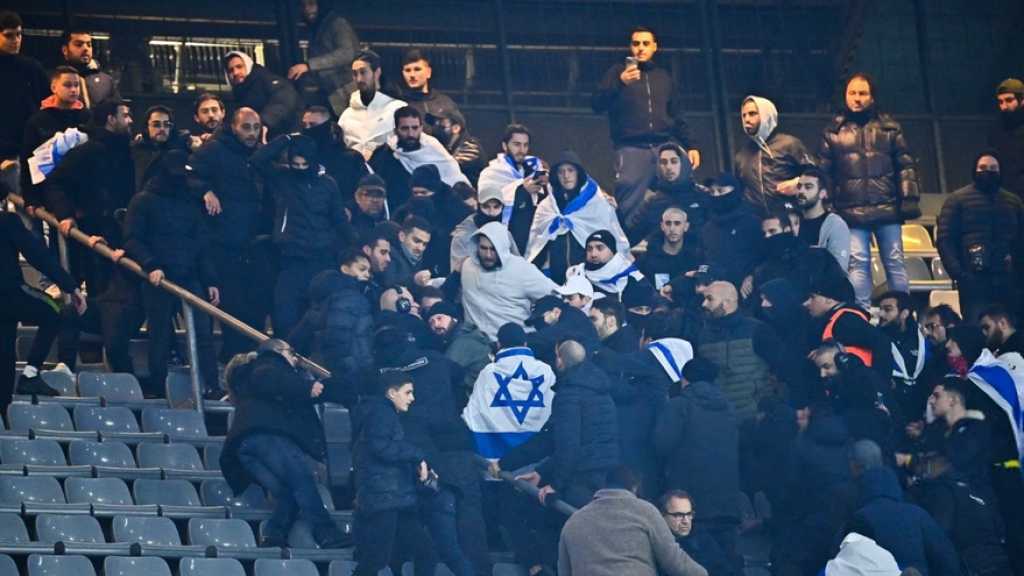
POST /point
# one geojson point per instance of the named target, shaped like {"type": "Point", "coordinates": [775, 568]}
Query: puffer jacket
{"type": "Point", "coordinates": [872, 170]}
{"type": "Point", "coordinates": [309, 213]}
{"type": "Point", "coordinates": [272, 96]}
{"type": "Point", "coordinates": [384, 461]}
{"type": "Point", "coordinates": [697, 439]}
{"type": "Point", "coordinates": [971, 216]}
{"type": "Point", "coordinates": [585, 427]}
{"type": "Point", "coordinates": [768, 158]}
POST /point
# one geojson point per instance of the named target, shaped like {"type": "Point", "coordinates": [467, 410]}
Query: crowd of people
{"type": "Point", "coordinates": [658, 355]}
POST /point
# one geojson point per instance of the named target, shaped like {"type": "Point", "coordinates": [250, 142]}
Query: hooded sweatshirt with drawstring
{"type": "Point", "coordinates": [767, 158]}
{"type": "Point", "coordinates": [502, 294]}
{"type": "Point", "coordinates": [272, 96]}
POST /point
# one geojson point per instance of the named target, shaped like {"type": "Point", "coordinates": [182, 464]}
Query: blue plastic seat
{"type": "Point", "coordinates": [145, 566]}
{"type": "Point", "coordinates": [267, 567]}
{"type": "Point", "coordinates": [91, 453]}
{"type": "Point", "coordinates": [12, 529]}
{"type": "Point", "coordinates": [98, 491]}
{"type": "Point", "coordinates": [16, 490]}
{"type": "Point", "coordinates": [105, 419]}
{"type": "Point", "coordinates": [24, 417]}
{"type": "Point", "coordinates": [39, 565]}
{"type": "Point", "coordinates": [211, 567]}
{"type": "Point", "coordinates": [147, 530]}
{"type": "Point", "coordinates": [18, 452]}
{"type": "Point", "coordinates": [166, 493]}
{"type": "Point", "coordinates": [78, 528]}
{"type": "Point", "coordinates": [113, 387]}
{"type": "Point", "coordinates": [221, 533]}
{"type": "Point", "coordinates": [175, 456]}
{"type": "Point", "coordinates": [176, 424]}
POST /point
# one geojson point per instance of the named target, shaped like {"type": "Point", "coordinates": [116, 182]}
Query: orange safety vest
{"type": "Point", "coordinates": [863, 353]}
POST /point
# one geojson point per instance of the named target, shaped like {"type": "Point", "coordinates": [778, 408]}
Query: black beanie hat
{"type": "Point", "coordinates": [700, 370]}
{"type": "Point", "coordinates": [605, 237]}
{"type": "Point", "coordinates": [426, 176]}
{"type": "Point", "coordinates": [969, 339]}
{"type": "Point", "coordinates": [443, 307]}
{"type": "Point", "coordinates": [511, 335]}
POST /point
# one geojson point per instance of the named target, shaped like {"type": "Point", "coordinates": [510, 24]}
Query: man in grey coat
{"type": "Point", "coordinates": [618, 533]}
{"type": "Point", "coordinates": [326, 76]}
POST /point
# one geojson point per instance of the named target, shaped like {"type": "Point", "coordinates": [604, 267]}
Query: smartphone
{"type": "Point", "coordinates": [631, 61]}
{"type": "Point", "coordinates": [539, 174]}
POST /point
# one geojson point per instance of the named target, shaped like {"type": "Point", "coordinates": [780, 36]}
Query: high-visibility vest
{"type": "Point", "coordinates": [863, 353]}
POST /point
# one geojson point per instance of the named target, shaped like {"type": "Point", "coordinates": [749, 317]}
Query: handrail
{"type": "Point", "coordinates": [186, 296]}
{"type": "Point", "coordinates": [552, 500]}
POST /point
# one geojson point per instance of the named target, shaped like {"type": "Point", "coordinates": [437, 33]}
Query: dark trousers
{"type": "Point", "coordinates": [381, 535]}
{"type": "Point", "coordinates": [725, 532]}
{"type": "Point", "coordinates": [244, 293]}
{"type": "Point", "coordinates": [291, 294]}
{"type": "Point", "coordinates": [978, 292]}
{"type": "Point", "coordinates": [438, 511]}
{"type": "Point", "coordinates": [1009, 489]}
{"type": "Point", "coordinates": [283, 470]}
{"type": "Point", "coordinates": [469, 516]}
{"type": "Point", "coordinates": [30, 306]}
{"type": "Point", "coordinates": [116, 321]}
{"type": "Point", "coordinates": [161, 308]}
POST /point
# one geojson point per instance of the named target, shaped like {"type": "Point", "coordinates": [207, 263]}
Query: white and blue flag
{"type": "Point", "coordinates": [511, 401]}
{"type": "Point", "coordinates": [585, 214]}
{"type": "Point", "coordinates": [1004, 384]}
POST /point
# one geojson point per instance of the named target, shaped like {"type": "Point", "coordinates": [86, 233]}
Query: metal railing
{"type": "Point", "coordinates": [189, 301]}
{"type": "Point", "coordinates": [553, 500]}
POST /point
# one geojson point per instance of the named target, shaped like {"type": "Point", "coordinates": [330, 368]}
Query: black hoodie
{"type": "Point", "coordinates": [26, 86]}
{"type": "Point", "coordinates": [39, 128]}
{"type": "Point", "coordinates": [272, 96]}
{"type": "Point", "coordinates": [346, 166]}
{"type": "Point", "coordinates": [1007, 138]}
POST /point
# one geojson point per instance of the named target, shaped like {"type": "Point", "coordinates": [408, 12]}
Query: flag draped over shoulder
{"type": "Point", "coordinates": [511, 401]}
{"type": "Point", "coordinates": [1004, 385]}
{"type": "Point", "coordinates": [672, 354]}
{"type": "Point", "coordinates": [585, 214]}
{"type": "Point", "coordinates": [48, 155]}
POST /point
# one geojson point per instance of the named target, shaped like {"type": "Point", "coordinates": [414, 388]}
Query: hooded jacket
{"type": "Point", "coordinates": [346, 166]}
{"type": "Point", "coordinates": [309, 215]}
{"type": "Point", "coordinates": [272, 96]}
{"type": "Point", "coordinates": [697, 439]}
{"type": "Point", "coordinates": [494, 297]}
{"type": "Point", "coordinates": [1007, 138]}
{"type": "Point", "coordinates": [367, 126]}
{"type": "Point", "coordinates": [873, 173]}
{"type": "Point", "coordinates": [974, 217]}
{"type": "Point", "coordinates": [768, 158]}
{"type": "Point", "coordinates": [732, 239]}
{"type": "Point", "coordinates": [464, 245]}
{"type": "Point", "coordinates": [648, 111]}
{"type": "Point", "coordinates": [680, 192]}
{"type": "Point", "coordinates": [905, 530]}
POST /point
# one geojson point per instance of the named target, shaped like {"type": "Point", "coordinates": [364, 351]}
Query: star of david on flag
{"type": "Point", "coordinates": [520, 408]}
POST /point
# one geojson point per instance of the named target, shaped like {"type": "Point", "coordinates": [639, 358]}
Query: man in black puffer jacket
{"type": "Point", "coordinates": [274, 434]}
{"type": "Point", "coordinates": [770, 161]}
{"type": "Point", "coordinates": [732, 237]}
{"type": "Point", "coordinates": [253, 86]}
{"type": "Point", "coordinates": [875, 184]}
{"type": "Point", "coordinates": [338, 327]}
{"type": "Point", "coordinates": [221, 175]}
{"type": "Point", "coordinates": [979, 233]}
{"type": "Point", "coordinates": [166, 234]}
{"type": "Point", "coordinates": [309, 222]}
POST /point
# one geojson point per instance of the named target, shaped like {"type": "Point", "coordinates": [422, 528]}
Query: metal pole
{"type": "Point", "coordinates": [193, 355]}
{"type": "Point", "coordinates": [552, 501]}
{"type": "Point", "coordinates": [506, 65]}
{"type": "Point", "coordinates": [62, 249]}
{"type": "Point", "coordinates": [717, 91]}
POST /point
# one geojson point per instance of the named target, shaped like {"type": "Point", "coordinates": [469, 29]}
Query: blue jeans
{"type": "Point", "coordinates": [283, 469]}
{"type": "Point", "coordinates": [438, 512]}
{"type": "Point", "coordinates": [890, 248]}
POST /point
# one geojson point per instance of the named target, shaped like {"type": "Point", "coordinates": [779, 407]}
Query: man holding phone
{"type": "Point", "coordinates": [644, 111]}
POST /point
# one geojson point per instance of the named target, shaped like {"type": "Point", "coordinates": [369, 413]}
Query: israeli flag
{"type": "Point", "coordinates": [589, 212]}
{"type": "Point", "coordinates": [511, 401]}
{"type": "Point", "coordinates": [672, 354]}
{"type": "Point", "coordinates": [1005, 386]}
{"type": "Point", "coordinates": [47, 156]}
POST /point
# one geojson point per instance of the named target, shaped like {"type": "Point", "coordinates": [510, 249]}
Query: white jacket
{"type": "Point", "coordinates": [367, 127]}
{"type": "Point", "coordinates": [493, 298]}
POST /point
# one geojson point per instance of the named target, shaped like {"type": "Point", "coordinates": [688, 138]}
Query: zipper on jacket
{"type": "Point", "coordinates": [650, 102]}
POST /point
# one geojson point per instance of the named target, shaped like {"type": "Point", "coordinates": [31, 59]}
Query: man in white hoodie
{"type": "Point", "coordinates": [769, 162]}
{"type": "Point", "coordinates": [370, 116]}
{"type": "Point", "coordinates": [499, 287]}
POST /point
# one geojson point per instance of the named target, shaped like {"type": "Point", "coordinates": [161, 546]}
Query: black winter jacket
{"type": "Point", "coordinates": [905, 530]}
{"type": "Point", "coordinates": [661, 267]}
{"type": "Point", "coordinates": [873, 173]}
{"type": "Point", "coordinates": [972, 217]}
{"type": "Point", "coordinates": [146, 155]}
{"type": "Point", "coordinates": [1007, 138]}
{"type": "Point", "coordinates": [273, 399]}
{"type": "Point", "coordinates": [309, 214]}
{"type": "Point", "coordinates": [222, 166]}
{"type": "Point", "coordinates": [94, 180]}
{"type": "Point", "coordinates": [573, 324]}
{"type": "Point", "coordinates": [384, 460]}
{"type": "Point", "coordinates": [16, 239]}
{"type": "Point", "coordinates": [761, 172]}
{"type": "Point", "coordinates": [434, 103]}
{"type": "Point", "coordinates": [345, 165]}
{"type": "Point", "coordinates": [338, 329]}
{"type": "Point", "coordinates": [165, 230]}
{"type": "Point", "coordinates": [273, 97]}
{"type": "Point", "coordinates": [26, 86]}
{"type": "Point", "coordinates": [648, 111]}
{"type": "Point", "coordinates": [697, 439]}
{"type": "Point", "coordinates": [734, 242]}
{"type": "Point", "coordinates": [585, 427]}
{"type": "Point", "coordinates": [647, 218]}
{"type": "Point", "coordinates": [39, 128]}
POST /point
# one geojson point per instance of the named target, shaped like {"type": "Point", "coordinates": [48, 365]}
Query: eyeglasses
{"type": "Point", "coordinates": [679, 515]}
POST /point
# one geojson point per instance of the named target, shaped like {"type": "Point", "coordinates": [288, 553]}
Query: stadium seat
{"type": "Point", "coordinates": [147, 566]}
{"type": "Point", "coordinates": [939, 269]}
{"type": "Point", "coordinates": [111, 454]}
{"type": "Point", "coordinates": [950, 297]}
{"type": "Point", "coordinates": [113, 387]}
{"type": "Point", "coordinates": [39, 565]}
{"type": "Point", "coordinates": [16, 490]}
{"type": "Point", "coordinates": [78, 528]}
{"type": "Point", "coordinates": [267, 567]}
{"type": "Point", "coordinates": [166, 492]}
{"type": "Point", "coordinates": [877, 271]}
{"type": "Point", "coordinates": [105, 419]}
{"type": "Point", "coordinates": [221, 533]}
{"type": "Point", "coordinates": [18, 452]}
{"type": "Point", "coordinates": [7, 565]}
{"type": "Point", "coordinates": [339, 464]}
{"type": "Point", "coordinates": [146, 530]}
{"type": "Point", "coordinates": [916, 237]}
{"type": "Point", "coordinates": [12, 529]}
{"type": "Point", "coordinates": [23, 417]}
{"type": "Point", "coordinates": [505, 569]}
{"type": "Point", "coordinates": [174, 456]}
{"type": "Point", "coordinates": [917, 270]}
{"type": "Point", "coordinates": [107, 496]}
{"type": "Point", "coordinates": [210, 567]}
{"type": "Point", "coordinates": [342, 568]}
{"type": "Point", "coordinates": [176, 424]}
{"type": "Point", "coordinates": [337, 425]}
{"type": "Point", "coordinates": [218, 493]}
{"type": "Point", "coordinates": [59, 381]}
{"type": "Point", "coordinates": [211, 455]}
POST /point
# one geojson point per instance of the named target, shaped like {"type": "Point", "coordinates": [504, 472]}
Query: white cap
{"type": "Point", "coordinates": [576, 285]}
